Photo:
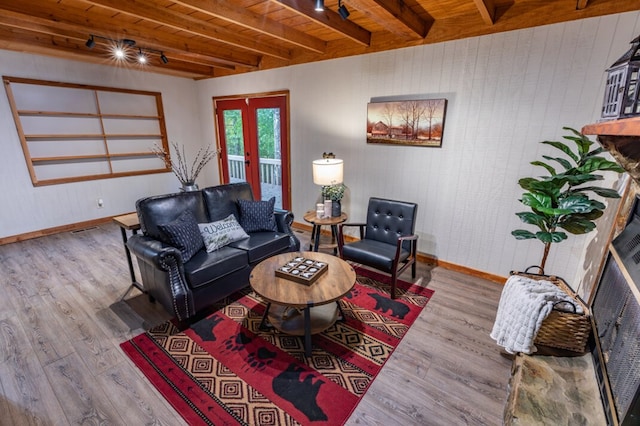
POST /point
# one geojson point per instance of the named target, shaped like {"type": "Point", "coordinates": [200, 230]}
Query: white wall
{"type": "Point", "coordinates": [507, 92]}
{"type": "Point", "coordinates": [25, 208]}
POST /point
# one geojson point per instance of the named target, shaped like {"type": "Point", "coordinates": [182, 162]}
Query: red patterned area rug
{"type": "Point", "coordinates": [225, 370]}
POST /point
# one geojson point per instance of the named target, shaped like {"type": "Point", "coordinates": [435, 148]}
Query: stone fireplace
{"type": "Point", "coordinates": [615, 302]}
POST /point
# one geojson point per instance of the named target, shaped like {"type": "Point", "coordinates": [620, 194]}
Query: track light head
{"type": "Point", "coordinates": [90, 42]}
{"type": "Point", "coordinates": [319, 6]}
{"type": "Point", "coordinates": [119, 52]}
{"type": "Point", "coordinates": [164, 59]}
{"type": "Point", "coordinates": [342, 10]}
{"type": "Point", "coordinates": [142, 58]}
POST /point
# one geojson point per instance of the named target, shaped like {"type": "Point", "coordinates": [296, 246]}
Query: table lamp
{"type": "Point", "coordinates": [327, 171]}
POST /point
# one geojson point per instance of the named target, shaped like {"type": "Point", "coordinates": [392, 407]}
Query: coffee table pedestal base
{"type": "Point", "coordinates": [302, 321]}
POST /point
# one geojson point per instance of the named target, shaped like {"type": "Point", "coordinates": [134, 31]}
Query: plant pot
{"type": "Point", "coordinates": [336, 209]}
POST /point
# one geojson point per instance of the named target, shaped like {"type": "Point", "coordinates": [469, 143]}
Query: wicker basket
{"type": "Point", "coordinates": [563, 330]}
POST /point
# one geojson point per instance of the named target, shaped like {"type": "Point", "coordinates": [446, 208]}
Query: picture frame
{"type": "Point", "coordinates": [418, 122]}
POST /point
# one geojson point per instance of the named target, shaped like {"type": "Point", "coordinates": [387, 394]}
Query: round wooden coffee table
{"type": "Point", "coordinates": [301, 309]}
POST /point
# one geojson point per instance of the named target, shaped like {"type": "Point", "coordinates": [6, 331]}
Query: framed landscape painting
{"type": "Point", "coordinates": [413, 122]}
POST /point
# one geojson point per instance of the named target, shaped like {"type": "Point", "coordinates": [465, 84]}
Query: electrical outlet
{"type": "Point", "coordinates": [100, 203]}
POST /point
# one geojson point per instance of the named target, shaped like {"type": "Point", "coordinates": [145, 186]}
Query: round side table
{"type": "Point", "coordinates": [317, 223]}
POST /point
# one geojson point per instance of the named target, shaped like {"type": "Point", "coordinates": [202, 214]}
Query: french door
{"type": "Point", "coordinates": [254, 139]}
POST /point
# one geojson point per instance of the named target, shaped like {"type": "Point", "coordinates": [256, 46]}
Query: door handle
{"type": "Point", "coordinates": [247, 162]}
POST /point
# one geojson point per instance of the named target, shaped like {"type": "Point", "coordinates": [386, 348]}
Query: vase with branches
{"type": "Point", "coordinates": [561, 201]}
{"type": "Point", "coordinates": [186, 172]}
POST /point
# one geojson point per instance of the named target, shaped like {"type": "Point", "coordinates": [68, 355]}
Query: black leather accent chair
{"type": "Point", "coordinates": [387, 240]}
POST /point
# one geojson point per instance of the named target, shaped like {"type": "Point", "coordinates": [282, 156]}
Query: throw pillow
{"type": "Point", "coordinates": [222, 232]}
{"type": "Point", "coordinates": [183, 233]}
{"type": "Point", "coordinates": [257, 215]}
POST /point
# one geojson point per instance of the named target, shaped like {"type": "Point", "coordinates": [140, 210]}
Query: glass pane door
{"type": "Point", "coordinates": [234, 137]}
{"type": "Point", "coordinates": [270, 170]}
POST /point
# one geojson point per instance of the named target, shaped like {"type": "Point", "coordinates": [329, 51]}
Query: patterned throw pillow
{"type": "Point", "coordinates": [219, 234]}
{"type": "Point", "coordinates": [257, 215]}
{"type": "Point", "coordinates": [184, 234]}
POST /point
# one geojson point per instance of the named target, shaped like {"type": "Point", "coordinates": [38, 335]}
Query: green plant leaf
{"type": "Point", "coordinates": [579, 203]}
{"type": "Point", "coordinates": [563, 162]}
{"type": "Point", "coordinates": [533, 219]}
{"type": "Point", "coordinates": [593, 164]}
{"type": "Point", "coordinates": [581, 141]}
{"type": "Point", "coordinates": [577, 225]}
{"type": "Point", "coordinates": [536, 200]}
{"type": "Point", "coordinates": [564, 148]}
{"type": "Point", "coordinates": [575, 180]}
{"type": "Point", "coordinates": [550, 188]}
{"type": "Point", "coordinates": [551, 237]}
{"type": "Point", "coordinates": [522, 234]}
{"type": "Point", "coordinates": [603, 192]}
{"type": "Point", "coordinates": [550, 169]}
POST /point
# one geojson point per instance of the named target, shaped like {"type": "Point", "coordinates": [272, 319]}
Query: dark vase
{"type": "Point", "coordinates": [336, 209]}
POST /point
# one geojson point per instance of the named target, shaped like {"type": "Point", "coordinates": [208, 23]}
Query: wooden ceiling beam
{"type": "Point", "coordinates": [487, 10]}
{"type": "Point", "coordinates": [228, 11]}
{"type": "Point", "coordinates": [20, 40]}
{"type": "Point", "coordinates": [149, 11]}
{"type": "Point", "coordinates": [406, 16]}
{"type": "Point", "coordinates": [329, 19]}
{"type": "Point", "coordinates": [8, 19]}
{"type": "Point", "coordinates": [69, 20]}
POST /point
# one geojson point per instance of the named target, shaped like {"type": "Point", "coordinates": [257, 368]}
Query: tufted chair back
{"type": "Point", "coordinates": [388, 219]}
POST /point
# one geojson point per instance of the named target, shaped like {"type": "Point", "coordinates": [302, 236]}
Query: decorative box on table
{"type": "Point", "coordinates": [302, 270]}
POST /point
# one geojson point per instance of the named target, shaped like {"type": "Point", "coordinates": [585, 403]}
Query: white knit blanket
{"type": "Point", "coordinates": [524, 304]}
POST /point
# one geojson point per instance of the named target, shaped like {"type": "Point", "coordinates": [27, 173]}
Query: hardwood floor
{"type": "Point", "coordinates": [62, 320]}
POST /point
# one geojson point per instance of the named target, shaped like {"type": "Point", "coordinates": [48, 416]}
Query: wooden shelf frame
{"type": "Point", "coordinates": [62, 148]}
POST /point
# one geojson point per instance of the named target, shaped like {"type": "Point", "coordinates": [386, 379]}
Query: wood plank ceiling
{"type": "Point", "coordinates": [210, 38]}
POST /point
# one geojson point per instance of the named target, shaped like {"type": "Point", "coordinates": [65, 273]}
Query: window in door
{"type": "Point", "coordinates": [253, 135]}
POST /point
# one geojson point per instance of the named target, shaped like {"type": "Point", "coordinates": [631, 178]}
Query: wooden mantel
{"type": "Point", "coordinates": [622, 139]}
{"type": "Point", "coordinates": [623, 127]}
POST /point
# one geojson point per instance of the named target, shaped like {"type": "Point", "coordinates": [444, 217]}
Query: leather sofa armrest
{"type": "Point", "coordinates": [284, 219]}
{"type": "Point", "coordinates": [154, 252]}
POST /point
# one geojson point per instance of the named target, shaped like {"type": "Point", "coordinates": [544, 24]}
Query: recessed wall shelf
{"type": "Point", "coordinates": [72, 132]}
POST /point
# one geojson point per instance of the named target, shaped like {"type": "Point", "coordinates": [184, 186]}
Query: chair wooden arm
{"type": "Point", "coordinates": [341, 235]}
{"type": "Point", "coordinates": [413, 246]}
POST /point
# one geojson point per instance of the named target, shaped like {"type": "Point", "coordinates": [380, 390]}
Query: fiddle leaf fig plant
{"type": "Point", "coordinates": [561, 201]}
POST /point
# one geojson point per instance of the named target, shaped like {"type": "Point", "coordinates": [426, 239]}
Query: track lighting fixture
{"type": "Point", "coordinates": [342, 10]}
{"type": "Point", "coordinates": [122, 49]}
{"type": "Point", "coordinates": [319, 6]}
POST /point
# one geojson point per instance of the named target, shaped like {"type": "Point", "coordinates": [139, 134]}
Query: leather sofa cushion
{"type": "Point", "coordinates": [373, 253]}
{"type": "Point", "coordinates": [206, 267]}
{"type": "Point", "coordinates": [222, 200]}
{"type": "Point", "coordinates": [261, 245]}
{"type": "Point", "coordinates": [162, 209]}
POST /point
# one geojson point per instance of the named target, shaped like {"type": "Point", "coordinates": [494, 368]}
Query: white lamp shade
{"type": "Point", "coordinates": [327, 171]}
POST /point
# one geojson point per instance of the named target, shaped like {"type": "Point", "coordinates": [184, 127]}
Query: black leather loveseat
{"type": "Point", "coordinates": [185, 288]}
